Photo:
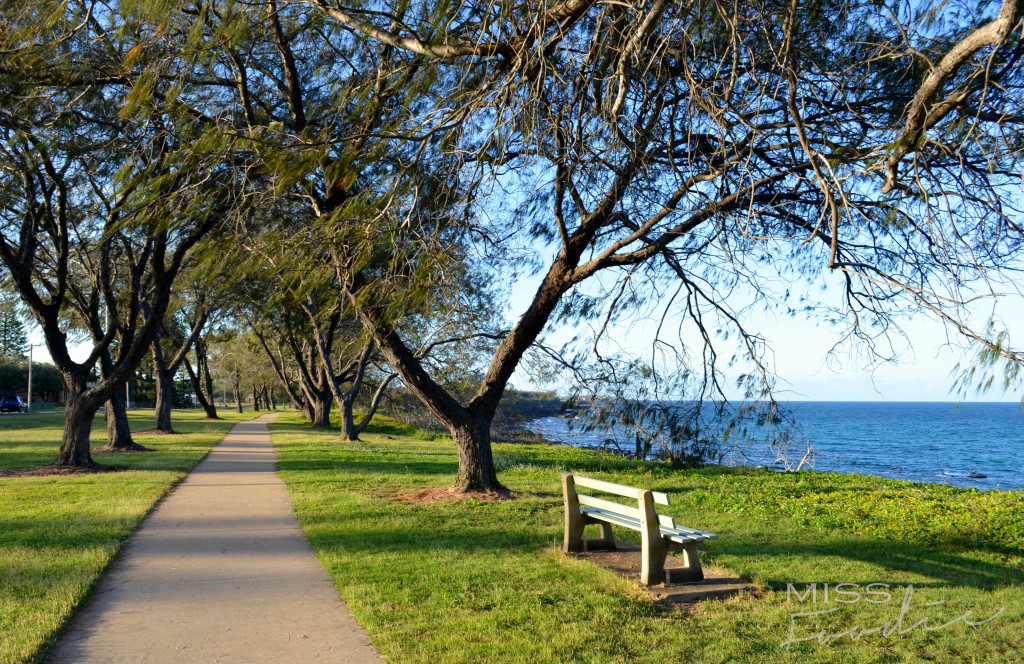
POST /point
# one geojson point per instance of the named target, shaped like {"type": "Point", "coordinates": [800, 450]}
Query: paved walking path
{"type": "Point", "coordinates": [219, 572]}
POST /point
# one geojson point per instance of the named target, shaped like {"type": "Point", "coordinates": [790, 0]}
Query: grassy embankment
{"type": "Point", "coordinates": [58, 533]}
{"type": "Point", "coordinates": [478, 582]}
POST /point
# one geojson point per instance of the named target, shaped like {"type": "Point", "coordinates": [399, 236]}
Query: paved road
{"type": "Point", "coordinates": [219, 572]}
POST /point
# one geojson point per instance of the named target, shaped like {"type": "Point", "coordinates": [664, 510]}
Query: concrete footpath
{"type": "Point", "coordinates": [219, 572]}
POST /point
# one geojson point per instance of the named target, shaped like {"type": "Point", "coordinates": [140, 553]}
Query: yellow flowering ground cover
{"type": "Point", "coordinates": [915, 513]}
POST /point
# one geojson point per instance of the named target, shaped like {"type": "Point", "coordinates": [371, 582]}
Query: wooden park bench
{"type": "Point", "coordinates": [659, 533]}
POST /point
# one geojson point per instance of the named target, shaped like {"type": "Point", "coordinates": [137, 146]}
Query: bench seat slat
{"type": "Point", "coordinates": [619, 508]}
{"type": "Point", "coordinates": [619, 489]}
{"type": "Point", "coordinates": [611, 517]}
{"type": "Point", "coordinates": [681, 535]}
{"type": "Point", "coordinates": [694, 531]}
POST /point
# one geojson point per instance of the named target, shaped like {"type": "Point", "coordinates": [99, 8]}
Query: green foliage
{"type": "Point", "coordinates": [13, 338]}
{"type": "Point", "coordinates": [516, 408]}
{"type": "Point", "coordinates": [996, 364]}
{"type": "Point", "coordinates": [46, 379]}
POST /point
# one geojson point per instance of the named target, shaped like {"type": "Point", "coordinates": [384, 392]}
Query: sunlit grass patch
{"type": "Point", "coordinates": [480, 582]}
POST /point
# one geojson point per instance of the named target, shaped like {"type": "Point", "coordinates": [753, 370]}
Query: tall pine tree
{"type": "Point", "coordinates": [13, 339]}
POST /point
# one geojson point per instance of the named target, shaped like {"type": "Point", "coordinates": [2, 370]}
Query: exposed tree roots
{"type": "Point", "coordinates": [454, 493]}
{"type": "Point", "coordinates": [49, 471]}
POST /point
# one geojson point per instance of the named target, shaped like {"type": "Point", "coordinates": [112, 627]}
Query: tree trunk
{"type": "Point", "coordinates": [321, 412]}
{"type": "Point", "coordinates": [348, 422]}
{"type": "Point", "coordinates": [211, 407]}
{"type": "Point", "coordinates": [237, 388]}
{"type": "Point", "coordinates": [164, 391]}
{"type": "Point", "coordinates": [351, 431]}
{"type": "Point", "coordinates": [78, 416]}
{"type": "Point", "coordinates": [164, 398]}
{"type": "Point", "coordinates": [476, 464]}
{"type": "Point", "coordinates": [197, 388]}
{"type": "Point", "coordinates": [255, 399]}
{"type": "Point", "coordinates": [470, 426]}
{"type": "Point", "coordinates": [119, 434]}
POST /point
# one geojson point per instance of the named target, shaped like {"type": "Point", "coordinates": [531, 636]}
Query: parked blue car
{"type": "Point", "coordinates": [13, 405]}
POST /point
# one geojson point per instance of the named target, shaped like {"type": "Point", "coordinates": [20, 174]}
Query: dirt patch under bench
{"type": "Point", "coordinates": [626, 560]}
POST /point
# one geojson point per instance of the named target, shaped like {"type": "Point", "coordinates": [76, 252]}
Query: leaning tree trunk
{"type": "Point", "coordinates": [211, 406]}
{"type": "Point", "coordinates": [349, 430]}
{"type": "Point", "coordinates": [476, 463]}
{"type": "Point", "coordinates": [78, 416]}
{"type": "Point", "coordinates": [208, 407]}
{"type": "Point", "coordinates": [470, 427]}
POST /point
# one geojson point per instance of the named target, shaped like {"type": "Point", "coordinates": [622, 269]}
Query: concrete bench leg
{"type": "Point", "coordinates": [573, 540]}
{"type": "Point", "coordinates": [652, 569]}
{"type": "Point", "coordinates": [693, 570]}
{"type": "Point", "coordinates": [605, 543]}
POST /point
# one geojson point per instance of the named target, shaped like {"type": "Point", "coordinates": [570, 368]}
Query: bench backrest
{"type": "Point", "coordinates": [571, 481]}
{"type": "Point", "coordinates": [619, 489]}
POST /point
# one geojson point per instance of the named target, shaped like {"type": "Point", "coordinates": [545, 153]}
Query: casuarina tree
{"type": "Point", "coordinates": [708, 148]}
{"type": "Point", "coordinates": [108, 184]}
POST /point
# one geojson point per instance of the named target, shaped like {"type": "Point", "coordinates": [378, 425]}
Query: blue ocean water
{"type": "Point", "coordinates": [978, 445]}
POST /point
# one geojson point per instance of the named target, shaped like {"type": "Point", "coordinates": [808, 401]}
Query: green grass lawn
{"type": "Point", "coordinates": [479, 582]}
{"type": "Point", "coordinates": [58, 533]}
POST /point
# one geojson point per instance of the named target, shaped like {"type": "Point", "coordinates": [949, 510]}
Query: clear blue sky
{"type": "Point", "coordinates": [799, 351]}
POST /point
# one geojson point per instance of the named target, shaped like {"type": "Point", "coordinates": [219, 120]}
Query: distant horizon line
{"type": "Point", "coordinates": [1019, 402]}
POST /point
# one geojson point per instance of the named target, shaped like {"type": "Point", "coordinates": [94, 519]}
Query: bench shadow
{"type": "Point", "coordinates": [947, 566]}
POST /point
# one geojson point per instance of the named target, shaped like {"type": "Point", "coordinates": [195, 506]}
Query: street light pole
{"type": "Point", "coordinates": [28, 400]}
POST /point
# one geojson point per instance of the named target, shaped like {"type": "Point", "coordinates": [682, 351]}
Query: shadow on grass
{"type": "Point", "coordinates": [395, 468]}
{"type": "Point", "coordinates": [396, 429]}
{"type": "Point", "coordinates": [432, 528]}
{"type": "Point", "coordinates": [71, 534]}
{"type": "Point", "coordinates": [949, 568]}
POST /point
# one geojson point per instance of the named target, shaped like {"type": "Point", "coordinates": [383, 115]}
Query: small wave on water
{"type": "Point", "coordinates": [974, 445]}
